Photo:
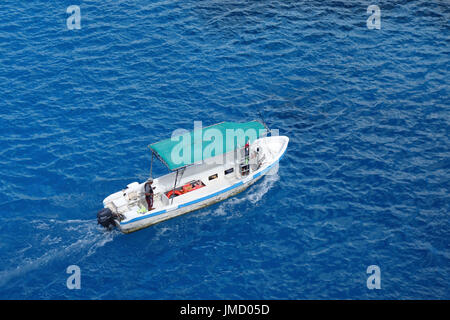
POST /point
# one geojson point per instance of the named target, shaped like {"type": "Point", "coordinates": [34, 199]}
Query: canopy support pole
{"type": "Point", "coordinates": [174, 185]}
{"type": "Point", "coordinates": [264, 124]}
{"type": "Point", "coordinates": [180, 172]}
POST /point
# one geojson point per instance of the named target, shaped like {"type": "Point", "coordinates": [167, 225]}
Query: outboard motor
{"type": "Point", "coordinates": [105, 217]}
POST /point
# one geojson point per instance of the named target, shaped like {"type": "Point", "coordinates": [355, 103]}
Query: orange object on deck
{"type": "Point", "coordinates": [188, 187]}
{"type": "Point", "coordinates": [177, 192]}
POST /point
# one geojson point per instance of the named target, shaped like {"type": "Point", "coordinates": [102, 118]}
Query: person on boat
{"type": "Point", "coordinates": [148, 189]}
{"type": "Point", "coordinates": [247, 151]}
{"type": "Point", "coordinates": [258, 158]}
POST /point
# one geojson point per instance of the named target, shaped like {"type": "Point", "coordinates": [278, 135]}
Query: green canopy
{"type": "Point", "coordinates": [203, 143]}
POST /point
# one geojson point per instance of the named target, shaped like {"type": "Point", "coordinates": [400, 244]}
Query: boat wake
{"type": "Point", "coordinates": [72, 240]}
{"type": "Point", "coordinates": [270, 179]}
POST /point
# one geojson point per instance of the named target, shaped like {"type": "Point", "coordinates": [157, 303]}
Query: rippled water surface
{"type": "Point", "coordinates": [365, 180]}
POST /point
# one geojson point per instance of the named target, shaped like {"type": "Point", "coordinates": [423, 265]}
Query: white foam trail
{"type": "Point", "coordinates": [266, 184]}
{"type": "Point", "coordinates": [89, 238]}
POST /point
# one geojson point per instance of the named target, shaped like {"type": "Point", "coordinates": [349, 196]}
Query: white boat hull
{"type": "Point", "coordinates": [175, 212]}
{"type": "Point", "coordinates": [196, 200]}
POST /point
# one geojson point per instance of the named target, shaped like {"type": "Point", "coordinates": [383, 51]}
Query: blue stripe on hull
{"type": "Point", "coordinates": [240, 183]}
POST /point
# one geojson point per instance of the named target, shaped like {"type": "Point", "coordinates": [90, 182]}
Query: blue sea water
{"type": "Point", "coordinates": [365, 180]}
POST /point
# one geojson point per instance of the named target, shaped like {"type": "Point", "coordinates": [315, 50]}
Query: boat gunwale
{"type": "Point", "coordinates": [216, 193]}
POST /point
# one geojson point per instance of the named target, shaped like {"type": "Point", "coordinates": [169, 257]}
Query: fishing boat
{"type": "Point", "coordinates": [206, 165]}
